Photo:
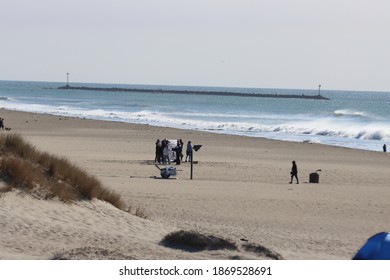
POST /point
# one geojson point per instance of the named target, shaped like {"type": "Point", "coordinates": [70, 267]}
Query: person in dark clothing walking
{"type": "Point", "coordinates": [384, 148]}
{"type": "Point", "coordinates": [294, 172]}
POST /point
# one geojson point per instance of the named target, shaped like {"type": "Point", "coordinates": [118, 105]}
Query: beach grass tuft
{"type": "Point", "coordinates": [195, 241]}
{"type": "Point", "coordinates": [262, 251]}
{"type": "Point", "coordinates": [46, 176]}
{"type": "Point", "coordinates": [138, 210]}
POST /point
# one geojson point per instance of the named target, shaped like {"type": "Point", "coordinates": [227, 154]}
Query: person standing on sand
{"type": "Point", "coordinates": [384, 148]}
{"type": "Point", "coordinates": [294, 172]}
{"type": "Point", "coordinates": [178, 150]}
{"type": "Point", "coordinates": [158, 157]}
{"type": "Point", "coordinates": [181, 145]}
{"type": "Point", "coordinates": [189, 151]}
{"type": "Point", "coordinates": [167, 152]}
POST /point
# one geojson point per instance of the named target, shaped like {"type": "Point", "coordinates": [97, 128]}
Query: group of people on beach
{"type": "Point", "coordinates": [168, 151]}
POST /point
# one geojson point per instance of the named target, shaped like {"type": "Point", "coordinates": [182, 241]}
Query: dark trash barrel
{"type": "Point", "coordinates": [314, 178]}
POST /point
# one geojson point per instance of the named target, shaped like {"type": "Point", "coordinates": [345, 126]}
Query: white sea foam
{"type": "Point", "coordinates": [324, 127]}
{"type": "Point", "coordinates": [348, 112]}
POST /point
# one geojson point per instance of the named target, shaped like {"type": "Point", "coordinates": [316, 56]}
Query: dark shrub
{"type": "Point", "coordinates": [195, 241]}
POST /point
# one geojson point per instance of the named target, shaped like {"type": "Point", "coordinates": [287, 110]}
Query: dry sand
{"type": "Point", "coordinates": [240, 190]}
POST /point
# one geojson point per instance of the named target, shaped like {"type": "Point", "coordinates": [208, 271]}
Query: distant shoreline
{"type": "Point", "coordinates": [195, 92]}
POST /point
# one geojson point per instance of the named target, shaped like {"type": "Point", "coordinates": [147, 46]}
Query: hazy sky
{"type": "Point", "coordinates": [340, 44]}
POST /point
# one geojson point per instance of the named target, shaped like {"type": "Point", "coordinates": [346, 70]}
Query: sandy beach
{"type": "Point", "coordinates": [240, 190]}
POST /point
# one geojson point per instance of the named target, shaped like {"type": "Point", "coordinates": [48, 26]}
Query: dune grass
{"type": "Point", "coordinates": [46, 176]}
{"type": "Point", "coordinates": [195, 241]}
{"type": "Point", "coordinates": [262, 251]}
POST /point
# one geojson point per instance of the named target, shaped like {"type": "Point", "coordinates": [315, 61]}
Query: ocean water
{"type": "Point", "coordinates": [354, 119]}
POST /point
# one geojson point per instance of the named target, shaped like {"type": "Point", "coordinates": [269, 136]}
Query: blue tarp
{"type": "Point", "coordinates": [377, 247]}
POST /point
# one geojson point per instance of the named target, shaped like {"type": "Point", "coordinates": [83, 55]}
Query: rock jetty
{"type": "Point", "coordinates": [196, 92]}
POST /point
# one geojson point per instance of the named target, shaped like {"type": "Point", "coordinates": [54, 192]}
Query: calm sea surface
{"type": "Point", "coordinates": [350, 118]}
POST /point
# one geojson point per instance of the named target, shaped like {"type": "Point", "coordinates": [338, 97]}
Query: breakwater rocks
{"type": "Point", "coordinates": [195, 92]}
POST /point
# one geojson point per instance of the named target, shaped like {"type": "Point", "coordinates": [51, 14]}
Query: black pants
{"type": "Point", "coordinates": [294, 175]}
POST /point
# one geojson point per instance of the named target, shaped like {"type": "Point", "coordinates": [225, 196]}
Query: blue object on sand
{"type": "Point", "coordinates": [167, 172]}
{"type": "Point", "coordinates": [377, 247]}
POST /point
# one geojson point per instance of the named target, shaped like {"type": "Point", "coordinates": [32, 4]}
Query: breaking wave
{"type": "Point", "coordinates": [348, 113]}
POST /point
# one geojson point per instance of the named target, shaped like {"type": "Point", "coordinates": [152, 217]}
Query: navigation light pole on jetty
{"type": "Point", "coordinates": [67, 79]}
{"type": "Point", "coordinates": [319, 90]}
